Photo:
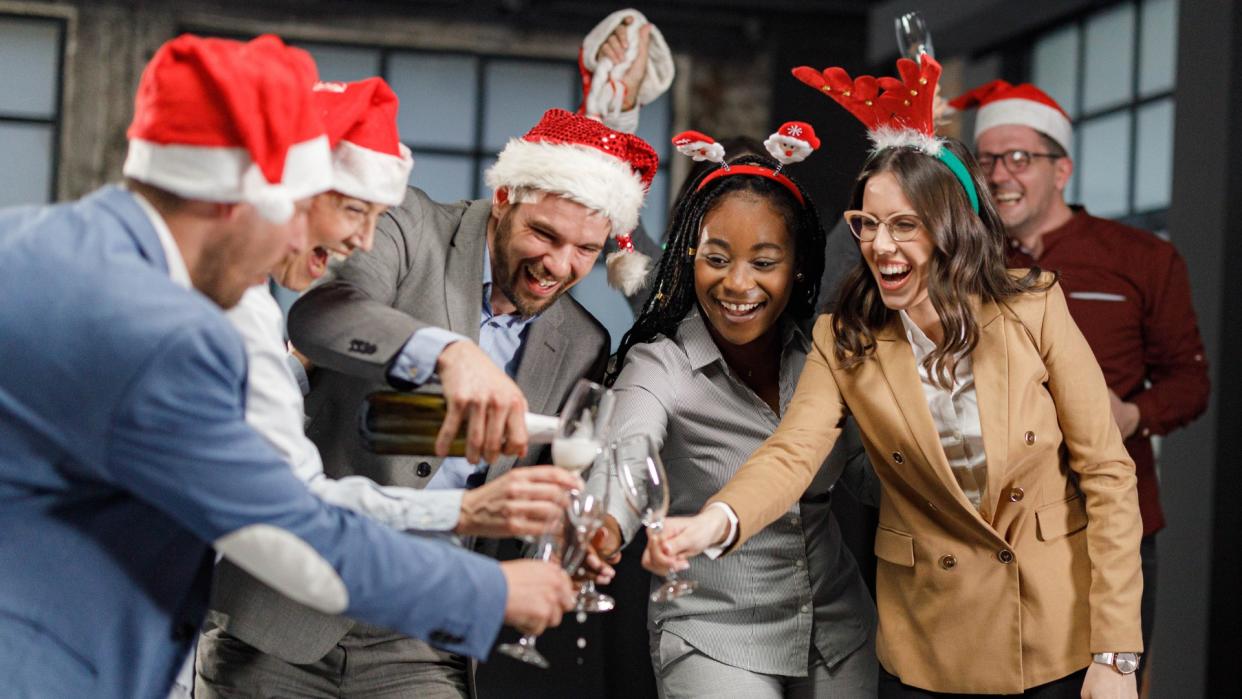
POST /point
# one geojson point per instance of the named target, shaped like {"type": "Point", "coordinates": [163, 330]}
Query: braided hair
{"type": "Point", "coordinates": [673, 292]}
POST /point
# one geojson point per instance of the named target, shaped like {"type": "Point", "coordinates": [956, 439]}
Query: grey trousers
{"type": "Point", "coordinates": [682, 671]}
{"type": "Point", "coordinates": [368, 662]}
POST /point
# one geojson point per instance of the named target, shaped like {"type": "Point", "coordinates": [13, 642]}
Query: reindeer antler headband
{"type": "Point", "coordinates": [791, 143]}
{"type": "Point", "coordinates": [898, 117]}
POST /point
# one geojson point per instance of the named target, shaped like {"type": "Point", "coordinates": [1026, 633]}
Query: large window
{"type": "Point", "coordinates": [30, 53]}
{"type": "Point", "coordinates": [457, 112]}
{"type": "Point", "coordinates": [1113, 71]}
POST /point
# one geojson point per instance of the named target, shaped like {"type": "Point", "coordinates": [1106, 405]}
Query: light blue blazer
{"type": "Point", "coordinates": [124, 455]}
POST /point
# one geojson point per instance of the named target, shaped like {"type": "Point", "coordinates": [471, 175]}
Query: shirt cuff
{"type": "Point", "coordinates": [298, 369]}
{"type": "Point", "coordinates": [416, 362]}
{"type": "Point", "coordinates": [433, 511]}
{"type": "Point", "coordinates": [714, 552]}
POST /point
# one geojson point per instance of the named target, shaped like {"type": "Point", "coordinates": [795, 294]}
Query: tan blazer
{"type": "Point", "coordinates": [992, 601]}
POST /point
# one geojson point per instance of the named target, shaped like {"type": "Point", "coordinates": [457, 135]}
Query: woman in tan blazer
{"type": "Point", "coordinates": [1009, 526]}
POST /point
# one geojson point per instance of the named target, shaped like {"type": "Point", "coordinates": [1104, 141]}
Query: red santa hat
{"type": "Point", "coordinates": [1000, 103]}
{"type": "Point", "coordinates": [586, 162]}
{"type": "Point", "coordinates": [225, 121]}
{"type": "Point", "coordinates": [369, 161]}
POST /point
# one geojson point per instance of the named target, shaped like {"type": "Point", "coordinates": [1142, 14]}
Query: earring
{"type": "Point", "coordinates": [690, 252]}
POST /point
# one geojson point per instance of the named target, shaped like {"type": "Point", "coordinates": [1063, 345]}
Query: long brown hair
{"type": "Point", "coordinates": [967, 261]}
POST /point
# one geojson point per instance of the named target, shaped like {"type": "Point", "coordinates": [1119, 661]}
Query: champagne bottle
{"type": "Point", "coordinates": [396, 422]}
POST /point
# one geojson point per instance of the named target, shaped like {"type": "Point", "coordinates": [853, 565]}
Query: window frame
{"type": "Point", "coordinates": [56, 121]}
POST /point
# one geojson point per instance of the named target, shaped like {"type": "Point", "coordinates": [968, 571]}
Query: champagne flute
{"type": "Point", "coordinates": [563, 542]}
{"type": "Point", "coordinates": [913, 39]}
{"type": "Point", "coordinates": [644, 484]}
{"type": "Point", "coordinates": [588, 512]}
{"type": "Point", "coordinates": [584, 419]}
{"type": "Point", "coordinates": [578, 443]}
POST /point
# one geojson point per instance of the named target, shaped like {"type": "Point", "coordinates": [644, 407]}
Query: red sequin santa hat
{"type": "Point", "coordinates": [1000, 103]}
{"type": "Point", "coordinates": [369, 161]}
{"type": "Point", "coordinates": [225, 121]}
{"type": "Point", "coordinates": [586, 162]}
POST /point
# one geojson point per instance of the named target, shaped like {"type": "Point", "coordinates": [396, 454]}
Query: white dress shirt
{"type": "Point", "coordinates": [274, 409]}
{"type": "Point", "coordinates": [955, 411]}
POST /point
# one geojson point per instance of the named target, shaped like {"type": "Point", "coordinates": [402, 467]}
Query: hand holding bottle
{"type": "Point", "coordinates": [480, 394]}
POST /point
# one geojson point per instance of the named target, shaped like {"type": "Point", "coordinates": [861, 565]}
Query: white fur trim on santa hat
{"type": "Point", "coordinates": [1024, 112]}
{"type": "Point", "coordinates": [887, 137]}
{"type": "Point", "coordinates": [582, 174]}
{"type": "Point", "coordinates": [222, 174]}
{"type": "Point", "coordinates": [370, 175]}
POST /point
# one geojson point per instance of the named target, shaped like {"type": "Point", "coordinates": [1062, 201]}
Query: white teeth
{"type": "Point", "coordinates": [544, 282]}
{"type": "Point", "coordinates": [740, 307]}
{"type": "Point", "coordinates": [894, 269]}
{"type": "Point", "coordinates": [1008, 197]}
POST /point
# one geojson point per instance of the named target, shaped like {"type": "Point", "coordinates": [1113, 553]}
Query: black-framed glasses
{"type": "Point", "coordinates": [901, 226]}
{"type": "Point", "coordinates": [1016, 161]}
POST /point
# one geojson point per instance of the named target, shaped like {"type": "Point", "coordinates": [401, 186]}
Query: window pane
{"type": "Point", "coordinates": [344, 63]}
{"type": "Point", "coordinates": [1158, 52]}
{"type": "Point", "coordinates": [1054, 67]}
{"type": "Point", "coordinates": [1153, 183]}
{"type": "Point", "coordinates": [653, 125]}
{"type": "Point", "coordinates": [1110, 58]}
{"type": "Point", "coordinates": [1105, 164]}
{"type": "Point", "coordinates": [30, 145]}
{"type": "Point", "coordinates": [445, 178]}
{"type": "Point", "coordinates": [29, 52]}
{"type": "Point", "coordinates": [604, 302]}
{"type": "Point", "coordinates": [438, 98]}
{"type": "Point", "coordinates": [517, 93]}
{"type": "Point", "coordinates": [482, 189]}
{"type": "Point", "coordinates": [655, 211]}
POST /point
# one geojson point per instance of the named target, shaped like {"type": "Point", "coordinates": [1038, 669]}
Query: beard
{"type": "Point", "coordinates": [508, 271]}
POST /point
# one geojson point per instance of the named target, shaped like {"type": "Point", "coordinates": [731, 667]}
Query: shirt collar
{"type": "Point", "coordinates": [177, 271]}
{"type": "Point", "coordinates": [702, 351]}
{"type": "Point", "coordinates": [918, 339]}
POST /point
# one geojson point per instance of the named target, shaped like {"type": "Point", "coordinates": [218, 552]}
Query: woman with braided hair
{"type": "Point", "coordinates": [706, 373]}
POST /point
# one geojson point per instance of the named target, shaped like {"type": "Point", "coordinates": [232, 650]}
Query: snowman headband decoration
{"type": "Point", "coordinates": [792, 143]}
{"type": "Point", "coordinates": [896, 112]}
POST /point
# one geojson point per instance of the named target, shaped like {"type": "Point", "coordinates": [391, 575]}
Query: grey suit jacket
{"type": "Point", "coordinates": [425, 270]}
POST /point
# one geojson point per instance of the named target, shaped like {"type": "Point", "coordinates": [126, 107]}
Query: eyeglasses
{"type": "Point", "coordinates": [901, 226]}
{"type": "Point", "coordinates": [1016, 161]}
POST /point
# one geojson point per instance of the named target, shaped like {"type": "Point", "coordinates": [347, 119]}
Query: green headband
{"type": "Point", "coordinates": [955, 164]}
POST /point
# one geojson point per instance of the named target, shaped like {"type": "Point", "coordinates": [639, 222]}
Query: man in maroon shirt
{"type": "Point", "coordinates": [1127, 289]}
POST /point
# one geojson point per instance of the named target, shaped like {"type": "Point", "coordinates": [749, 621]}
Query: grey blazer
{"type": "Point", "coordinates": [425, 270]}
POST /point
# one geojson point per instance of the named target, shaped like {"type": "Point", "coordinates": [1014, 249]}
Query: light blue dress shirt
{"type": "Point", "coordinates": [500, 336]}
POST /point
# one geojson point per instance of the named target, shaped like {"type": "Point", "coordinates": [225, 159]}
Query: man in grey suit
{"type": "Point", "coordinates": [471, 292]}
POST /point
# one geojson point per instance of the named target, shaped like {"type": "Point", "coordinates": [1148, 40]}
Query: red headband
{"type": "Point", "coordinates": [757, 170]}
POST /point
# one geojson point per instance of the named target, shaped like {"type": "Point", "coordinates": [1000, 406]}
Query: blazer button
{"type": "Point", "coordinates": [1005, 556]}
{"type": "Point", "coordinates": [948, 561]}
{"type": "Point", "coordinates": [898, 458]}
{"type": "Point", "coordinates": [1016, 494]}
{"type": "Point", "coordinates": [423, 470]}
{"type": "Point", "coordinates": [932, 506]}
{"type": "Point", "coordinates": [1030, 438]}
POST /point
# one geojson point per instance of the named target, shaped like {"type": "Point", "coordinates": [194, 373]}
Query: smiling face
{"type": "Point", "coordinates": [900, 269]}
{"type": "Point", "coordinates": [338, 225]}
{"type": "Point", "coordinates": [243, 250]}
{"type": "Point", "coordinates": [1028, 200]}
{"type": "Point", "coordinates": [540, 249]}
{"type": "Point", "coordinates": [743, 268]}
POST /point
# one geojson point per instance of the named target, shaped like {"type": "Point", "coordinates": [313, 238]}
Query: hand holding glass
{"type": "Point", "coordinates": [645, 486]}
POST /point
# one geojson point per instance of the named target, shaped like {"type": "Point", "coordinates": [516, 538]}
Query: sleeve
{"type": "Point", "coordinates": [348, 324]}
{"type": "Point", "coordinates": [181, 444]}
{"type": "Point", "coordinates": [1105, 476]}
{"type": "Point", "coordinates": [416, 362]}
{"type": "Point", "coordinates": [1172, 352]}
{"type": "Point", "coordinates": [641, 399]}
{"type": "Point", "coordinates": [779, 472]}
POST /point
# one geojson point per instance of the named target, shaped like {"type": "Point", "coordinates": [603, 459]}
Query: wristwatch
{"type": "Point", "coordinates": [1125, 663]}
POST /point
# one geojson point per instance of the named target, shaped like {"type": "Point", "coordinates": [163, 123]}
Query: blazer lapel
{"type": "Point", "coordinates": [990, 365]}
{"type": "Point", "coordinates": [896, 360]}
{"type": "Point", "coordinates": [463, 270]}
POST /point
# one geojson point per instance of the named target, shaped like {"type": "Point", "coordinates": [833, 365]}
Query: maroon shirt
{"type": "Point", "coordinates": [1129, 293]}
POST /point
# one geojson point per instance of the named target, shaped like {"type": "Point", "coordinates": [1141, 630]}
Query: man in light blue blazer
{"type": "Point", "coordinates": [125, 457]}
